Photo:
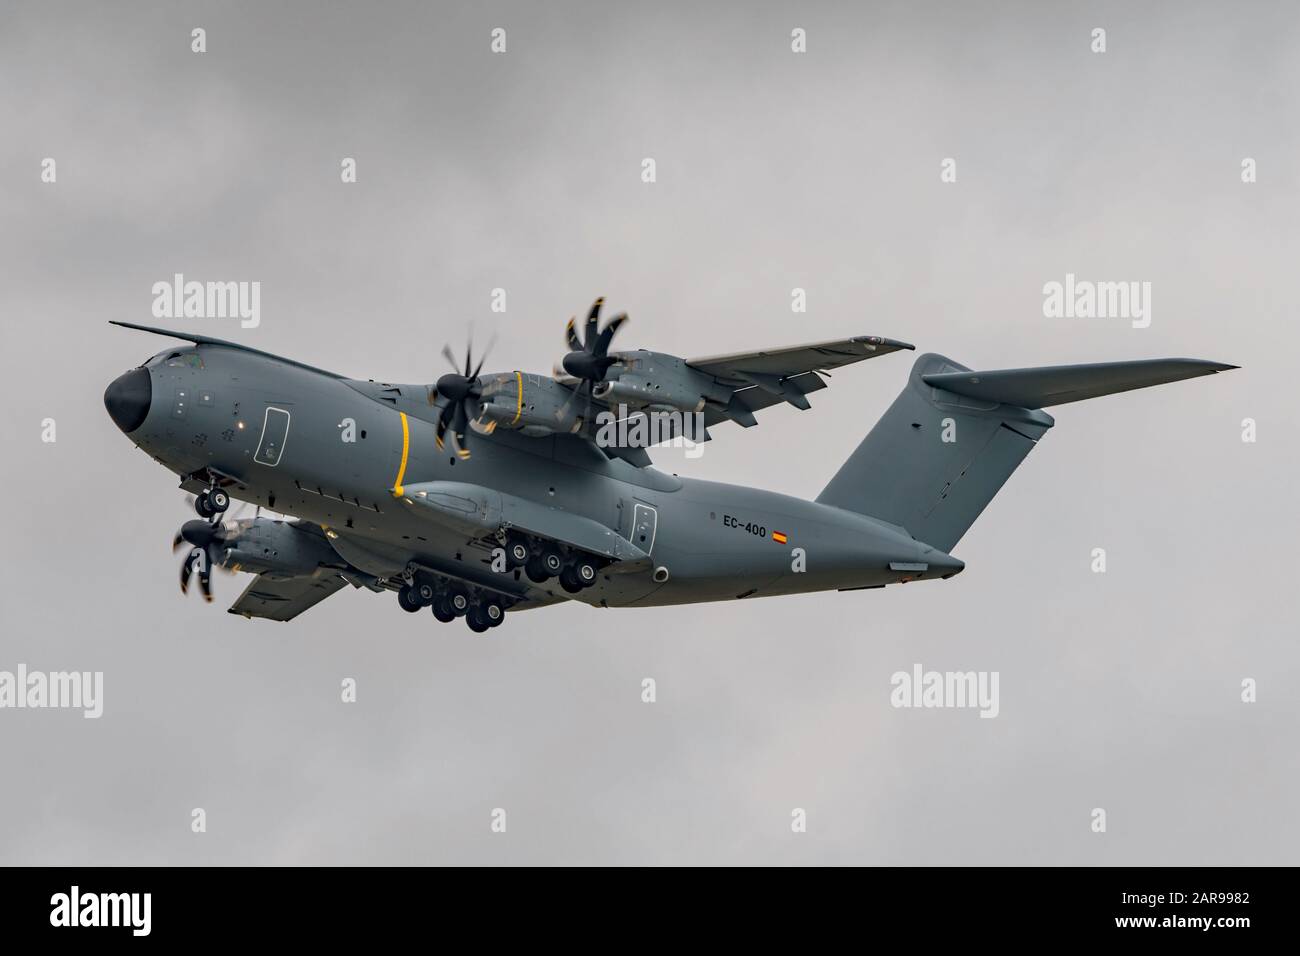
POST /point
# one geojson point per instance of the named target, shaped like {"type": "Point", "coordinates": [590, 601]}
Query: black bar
{"type": "Point", "coordinates": [332, 905]}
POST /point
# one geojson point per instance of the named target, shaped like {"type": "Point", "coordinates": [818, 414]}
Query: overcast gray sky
{"type": "Point", "coordinates": [775, 170]}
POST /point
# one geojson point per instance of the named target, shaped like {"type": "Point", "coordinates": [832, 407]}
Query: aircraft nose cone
{"type": "Point", "coordinates": [127, 399]}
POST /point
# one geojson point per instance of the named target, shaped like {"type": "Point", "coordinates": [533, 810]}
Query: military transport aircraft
{"type": "Point", "coordinates": [382, 490]}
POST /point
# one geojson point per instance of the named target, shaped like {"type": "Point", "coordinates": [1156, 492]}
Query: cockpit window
{"type": "Point", "coordinates": [185, 360]}
{"type": "Point", "coordinates": [160, 358]}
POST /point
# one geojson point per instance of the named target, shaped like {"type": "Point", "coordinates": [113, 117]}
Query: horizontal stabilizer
{"type": "Point", "coordinates": [1059, 384]}
{"type": "Point", "coordinates": [953, 437]}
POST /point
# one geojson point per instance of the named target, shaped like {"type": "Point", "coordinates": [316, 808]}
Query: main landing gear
{"type": "Point", "coordinates": [480, 610]}
{"type": "Point", "coordinates": [543, 561]}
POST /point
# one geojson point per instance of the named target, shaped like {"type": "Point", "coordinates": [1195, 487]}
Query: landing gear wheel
{"type": "Point", "coordinates": [491, 612]}
{"type": "Point", "coordinates": [442, 610]}
{"type": "Point", "coordinates": [536, 570]}
{"type": "Point", "coordinates": [569, 581]}
{"type": "Point", "coordinates": [476, 623]}
{"type": "Point", "coordinates": [425, 593]}
{"type": "Point", "coordinates": [458, 603]}
{"type": "Point", "coordinates": [552, 561]}
{"type": "Point", "coordinates": [218, 501]}
{"type": "Point", "coordinates": [517, 552]}
{"type": "Point", "coordinates": [201, 506]}
{"type": "Point", "coordinates": [585, 571]}
{"type": "Point", "coordinates": [409, 600]}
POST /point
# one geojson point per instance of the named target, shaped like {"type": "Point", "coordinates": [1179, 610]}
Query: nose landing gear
{"type": "Point", "coordinates": [211, 503]}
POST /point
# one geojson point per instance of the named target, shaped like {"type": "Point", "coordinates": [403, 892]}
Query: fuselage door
{"type": "Point", "coordinates": [275, 432]}
{"type": "Point", "coordinates": [645, 519]}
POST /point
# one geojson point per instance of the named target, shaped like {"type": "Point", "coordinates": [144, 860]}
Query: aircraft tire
{"type": "Point", "coordinates": [442, 610]}
{"type": "Point", "coordinates": [491, 612]}
{"type": "Point", "coordinates": [517, 551]}
{"type": "Point", "coordinates": [536, 571]}
{"type": "Point", "coordinates": [585, 572]}
{"type": "Point", "coordinates": [476, 622]}
{"type": "Point", "coordinates": [552, 561]}
{"type": "Point", "coordinates": [408, 599]}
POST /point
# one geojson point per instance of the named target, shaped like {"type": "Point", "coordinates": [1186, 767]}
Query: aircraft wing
{"type": "Point", "coordinates": [765, 378]}
{"type": "Point", "coordinates": [283, 599]}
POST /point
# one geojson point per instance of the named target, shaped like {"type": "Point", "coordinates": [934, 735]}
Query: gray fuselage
{"type": "Point", "coordinates": [276, 429]}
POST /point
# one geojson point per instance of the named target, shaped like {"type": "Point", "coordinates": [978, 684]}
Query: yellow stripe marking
{"type": "Point", "coordinates": [398, 491]}
{"type": "Point", "coordinates": [519, 410]}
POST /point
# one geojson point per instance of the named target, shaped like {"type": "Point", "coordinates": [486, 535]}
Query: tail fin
{"type": "Point", "coordinates": [953, 437]}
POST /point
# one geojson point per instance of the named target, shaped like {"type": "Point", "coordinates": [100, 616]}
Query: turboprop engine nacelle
{"type": "Point", "coordinates": [635, 392]}
{"type": "Point", "coordinates": [534, 404]}
{"type": "Point", "coordinates": [645, 380]}
{"type": "Point", "coordinates": [276, 547]}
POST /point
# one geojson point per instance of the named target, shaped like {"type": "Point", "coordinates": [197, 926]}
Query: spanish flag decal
{"type": "Point", "coordinates": [778, 537]}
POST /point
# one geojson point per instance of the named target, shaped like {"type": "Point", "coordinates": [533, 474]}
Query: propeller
{"type": "Point", "coordinates": [589, 359]}
{"type": "Point", "coordinates": [208, 540]}
{"type": "Point", "coordinates": [461, 394]}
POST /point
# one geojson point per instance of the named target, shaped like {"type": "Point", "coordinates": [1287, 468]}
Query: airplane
{"type": "Point", "coordinates": [383, 488]}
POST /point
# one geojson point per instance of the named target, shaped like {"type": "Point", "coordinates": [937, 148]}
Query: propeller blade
{"type": "Point", "coordinates": [459, 423]}
{"type": "Point", "coordinates": [441, 428]}
{"type": "Point", "coordinates": [447, 354]}
{"type": "Point", "coordinates": [185, 573]}
{"type": "Point", "coordinates": [607, 335]}
{"type": "Point", "coordinates": [563, 413]}
{"type": "Point", "coordinates": [486, 352]}
{"type": "Point", "coordinates": [571, 335]}
{"type": "Point", "coordinates": [205, 581]}
{"type": "Point", "coordinates": [593, 319]}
